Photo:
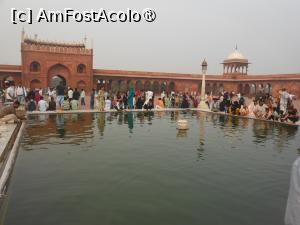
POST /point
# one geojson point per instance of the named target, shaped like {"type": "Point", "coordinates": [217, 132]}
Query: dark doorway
{"type": "Point", "coordinates": [56, 80]}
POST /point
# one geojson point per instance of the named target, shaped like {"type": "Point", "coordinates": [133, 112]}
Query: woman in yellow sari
{"type": "Point", "coordinates": [101, 99]}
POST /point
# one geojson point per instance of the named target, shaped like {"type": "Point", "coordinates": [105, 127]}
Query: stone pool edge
{"type": "Point", "coordinates": [9, 158]}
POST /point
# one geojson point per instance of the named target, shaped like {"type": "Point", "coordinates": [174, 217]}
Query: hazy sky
{"type": "Point", "coordinates": [267, 32]}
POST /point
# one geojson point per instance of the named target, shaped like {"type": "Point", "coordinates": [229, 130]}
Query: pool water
{"type": "Point", "coordinates": [137, 169]}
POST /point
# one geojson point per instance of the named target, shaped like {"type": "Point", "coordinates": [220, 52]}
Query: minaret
{"type": "Point", "coordinates": [85, 40]}
{"type": "Point", "coordinates": [23, 35]}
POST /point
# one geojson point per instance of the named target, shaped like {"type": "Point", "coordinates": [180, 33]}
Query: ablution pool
{"type": "Point", "coordinates": [137, 169]}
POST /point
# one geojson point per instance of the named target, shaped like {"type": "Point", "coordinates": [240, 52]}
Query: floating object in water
{"type": "Point", "coordinates": [182, 125]}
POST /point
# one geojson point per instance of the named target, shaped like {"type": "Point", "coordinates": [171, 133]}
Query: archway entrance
{"type": "Point", "coordinates": [58, 73]}
{"type": "Point", "coordinates": [56, 80]}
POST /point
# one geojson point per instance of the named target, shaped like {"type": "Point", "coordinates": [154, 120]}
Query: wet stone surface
{"type": "Point", "coordinates": [6, 130]}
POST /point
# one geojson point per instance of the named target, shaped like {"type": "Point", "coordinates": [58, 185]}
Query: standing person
{"type": "Point", "coordinates": [125, 100]}
{"type": "Point", "coordinates": [10, 93]}
{"type": "Point", "coordinates": [101, 99]}
{"type": "Point", "coordinates": [40, 91]}
{"type": "Point", "coordinates": [21, 94]}
{"type": "Point", "coordinates": [37, 96]}
{"type": "Point", "coordinates": [2, 97]}
{"type": "Point", "coordinates": [51, 93]}
{"type": "Point", "coordinates": [76, 94]}
{"type": "Point", "coordinates": [70, 94]}
{"type": "Point", "coordinates": [284, 96]}
{"type": "Point", "coordinates": [82, 98]}
{"type": "Point", "coordinates": [163, 94]}
{"type": "Point", "coordinates": [130, 98]}
{"type": "Point", "coordinates": [92, 99]}
{"type": "Point", "coordinates": [60, 92]}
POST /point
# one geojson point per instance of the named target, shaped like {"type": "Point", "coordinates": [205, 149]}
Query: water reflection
{"type": "Point", "coordinates": [101, 123]}
{"type": "Point", "coordinates": [201, 148]}
{"type": "Point", "coordinates": [80, 126]}
{"type": "Point", "coordinates": [279, 133]}
{"type": "Point", "coordinates": [130, 121]}
{"type": "Point", "coordinates": [181, 133]}
{"type": "Point", "coordinates": [60, 125]}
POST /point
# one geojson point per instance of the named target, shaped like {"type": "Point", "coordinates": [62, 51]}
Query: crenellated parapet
{"type": "Point", "coordinates": [35, 44]}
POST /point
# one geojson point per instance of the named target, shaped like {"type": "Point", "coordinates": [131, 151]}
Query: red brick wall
{"type": "Point", "coordinates": [58, 62]}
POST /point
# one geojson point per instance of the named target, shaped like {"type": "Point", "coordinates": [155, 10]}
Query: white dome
{"type": "Point", "coordinates": [235, 55]}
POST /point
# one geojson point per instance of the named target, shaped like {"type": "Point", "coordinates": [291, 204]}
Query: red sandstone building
{"type": "Point", "coordinates": [45, 63]}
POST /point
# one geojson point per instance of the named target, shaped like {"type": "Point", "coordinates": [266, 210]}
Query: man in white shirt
{"type": "Point", "coordinates": [21, 94]}
{"type": "Point", "coordinates": [42, 105]}
{"type": "Point", "coordinates": [70, 94]}
{"type": "Point", "coordinates": [284, 96]}
{"type": "Point", "coordinates": [10, 93]}
{"type": "Point", "coordinates": [82, 98]}
{"type": "Point", "coordinates": [51, 93]}
{"type": "Point", "coordinates": [162, 95]}
{"type": "Point", "coordinates": [260, 110]}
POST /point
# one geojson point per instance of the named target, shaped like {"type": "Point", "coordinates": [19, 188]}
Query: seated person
{"type": "Point", "coordinates": [215, 106]}
{"type": "Point", "coordinates": [235, 108]}
{"type": "Point", "coordinates": [283, 116]}
{"type": "Point", "coordinates": [107, 104]}
{"type": "Point", "coordinates": [292, 114]}
{"type": "Point", "coordinates": [52, 104]}
{"type": "Point", "coordinates": [8, 113]}
{"type": "Point", "coordinates": [119, 105]}
{"type": "Point", "coordinates": [31, 106]}
{"type": "Point", "coordinates": [222, 104]}
{"type": "Point", "coordinates": [244, 111]}
{"type": "Point", "coordinates": [251, 108]}
{"type": "Point", "coordinates": [42, 105]}
{"type": "Point", "coordinates": [66, 104]}
{"type": "Point", "coordinates": [149, 105]}
{"type": "Point", "coordinates": [74, 104]}
{"type": "Point", "coordinates": [260, 110]}
{"type": "Point", "coordinates": [160, 104]}
{"type": "Point", "coordinates": [274, 116]}
{"type": "Point", "coordinates": [139, 102]}
{"type": "Point", "coordinates": [268, 113]}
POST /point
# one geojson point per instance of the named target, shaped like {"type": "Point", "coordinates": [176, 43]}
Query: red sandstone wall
{"type": "Point", "coordinates": [54, 63]}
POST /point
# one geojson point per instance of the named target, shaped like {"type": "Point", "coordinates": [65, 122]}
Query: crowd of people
{"type": "Point", "coordinates": [263, 106]}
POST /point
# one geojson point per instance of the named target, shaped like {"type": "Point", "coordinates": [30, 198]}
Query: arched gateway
{"type": "Point", "coordinates": [56, 74]}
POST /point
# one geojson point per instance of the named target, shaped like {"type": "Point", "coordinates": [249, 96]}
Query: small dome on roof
{"type": "Point", "coordinates": [236, 55]}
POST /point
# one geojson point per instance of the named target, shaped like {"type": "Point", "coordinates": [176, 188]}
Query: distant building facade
{"type": "Point", "coordinates": [46, 63]}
